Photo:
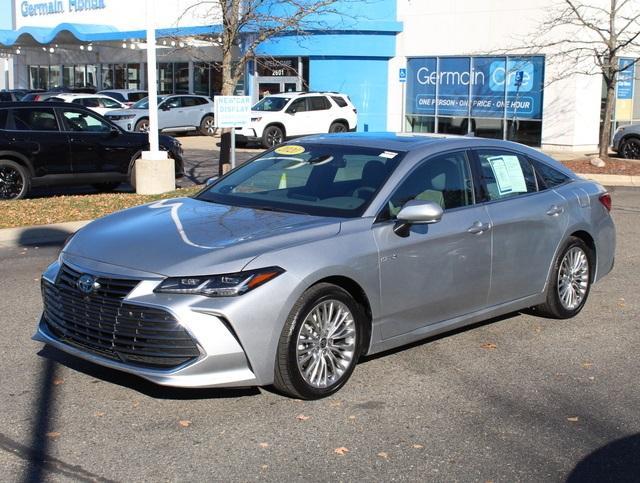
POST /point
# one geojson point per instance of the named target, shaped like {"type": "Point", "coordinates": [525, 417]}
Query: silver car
{"type": "Point", "coordinates": [291, 267]}
{"type": "Point", "coordinates": [176, 113]}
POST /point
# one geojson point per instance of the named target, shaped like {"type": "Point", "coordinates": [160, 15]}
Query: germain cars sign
{"type": "Point", "coordinates": [482, 86]}
{"type": "Point", "coordinates": [32, 9]}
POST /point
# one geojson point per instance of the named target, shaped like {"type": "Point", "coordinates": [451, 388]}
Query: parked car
{"type": "Point", "coordinates": [126, 96]}
{"type": "Point", "coordinates": [57, 143]}
{"type": "Point", "coordinates": [283, 116]}
{"type": "Point", "coordinates": [96, 102]}
{"type": "Point", "coordinates": [626, 141]}
{"type": "Point", "coordinates": [176, 113]}
{"type": "Point", "coordinates": [289, 268]}
{"type": "Point", "coordinates": [38, 96]}
{"type": "Point", "coordinates": [16, 94]}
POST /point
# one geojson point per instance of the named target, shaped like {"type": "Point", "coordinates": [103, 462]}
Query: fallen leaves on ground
{"type": "Point", "coordinates": [341, 451]}
{"type": "Point", "coordinates": [489, 346]}
{"type": "Point", "coordinates": [417, 446]}
{"type": "Point", "coordinates": [59, 209]}
{"type": "Point", "coordinates": [185, 423]}
{"type": "Point", "coordinates": [573, 419]}
{"type": "Point", "coordinates": [57, 381]}
{"type": "Point", "coordinates": [302, 417]}
{"type": "Point", "coordinates": [52, 434]}
{"type": "Point", "coordinates": [587, 365]}
{"type": "Point", "coordinates": [383, 455]}
{"type": "Point", "coordinates": [264, 445]}
{"type": "Point", "coordinates": [99, 414]}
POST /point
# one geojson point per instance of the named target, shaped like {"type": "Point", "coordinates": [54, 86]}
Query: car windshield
{"type": "Point", "coordinates": [144, 103]}
{"type": "Point", "coordinates": [271, 104]}
{"type": "Point", "coordinates": [313, 179]}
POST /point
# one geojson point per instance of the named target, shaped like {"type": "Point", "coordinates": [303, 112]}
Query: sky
{"type": "Point", "coordinates": [5, 14]}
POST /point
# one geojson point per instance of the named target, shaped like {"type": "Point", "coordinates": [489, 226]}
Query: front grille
{"type": "Point", "coordinates": [102, 323]}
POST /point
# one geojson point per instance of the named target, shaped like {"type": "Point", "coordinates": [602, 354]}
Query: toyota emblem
{"type": "Point", "coordinates": [87, 284]}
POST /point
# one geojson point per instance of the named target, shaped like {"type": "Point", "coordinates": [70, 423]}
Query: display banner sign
{"type": "Point", "coordinates": [482, 86]}
{"type": "Point", "coordinates": [232, 111]}
{"type": "Point", "coordinates": [624, 89]}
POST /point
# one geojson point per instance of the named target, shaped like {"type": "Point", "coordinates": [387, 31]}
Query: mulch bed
{"type": "Point", "coordinates": [614, 166]}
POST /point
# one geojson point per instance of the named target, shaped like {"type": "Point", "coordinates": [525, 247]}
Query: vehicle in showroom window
{"type": "Point", "coordinates": [278, 117]}
{"type": "Point", "coordinates": [59, 143]}
{"type": "Point", "coordinates": [176, 113]}
{"type": "Point", "coordinates": [289, 268]}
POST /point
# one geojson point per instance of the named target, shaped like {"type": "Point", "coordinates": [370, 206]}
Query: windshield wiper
{"type": "Point", "coordinates": [282, 210]}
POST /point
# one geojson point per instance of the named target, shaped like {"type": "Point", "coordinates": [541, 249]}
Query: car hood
{"type": "Point", "coordinates": [185, 236]}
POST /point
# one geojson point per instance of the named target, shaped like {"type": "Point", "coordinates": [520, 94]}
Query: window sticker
{"type": "Point", "coordinates": [289, 149]}
{"type": "Point", "coordinates": [387, 154]}
{"type": "Point", "coordinates": [508, 174]}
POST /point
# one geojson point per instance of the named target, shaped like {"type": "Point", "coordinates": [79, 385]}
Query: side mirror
{"type": "Point", "coordinates": [114, 131]}
{"type": "Point", "coordinates": [417, 212]}
{"type": "Point", "coordinates": [165, 107]}
{"type": "Point", "coordinates": [291, 110]}
{"type": "Point", "coordinates": [211, 180]}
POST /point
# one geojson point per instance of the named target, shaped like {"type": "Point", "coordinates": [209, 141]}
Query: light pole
{"type": "Point", "coordinates": [154, 172]}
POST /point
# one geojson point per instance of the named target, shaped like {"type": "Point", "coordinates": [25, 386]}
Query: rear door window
{"type": "Point", "coordinates": [3, 118]}
{"type": "Point", "coordinates": [318, 103]}
{"type": "Point", "coordinates": [505, 174]}
{"type": "Point", "coordinates": [34, 119]}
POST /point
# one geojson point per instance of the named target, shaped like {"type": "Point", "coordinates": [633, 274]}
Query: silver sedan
{"type": "Point", "coordinates": [291, 267]}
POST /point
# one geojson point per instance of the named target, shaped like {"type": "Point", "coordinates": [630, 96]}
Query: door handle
{"type": "Point", "coordinates": [478, 227]}
{"type": "Point", "coordinates": [555, 210]}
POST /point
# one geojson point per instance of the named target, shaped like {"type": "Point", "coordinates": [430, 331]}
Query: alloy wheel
{"type": "Point", "coordinates": [209, 126]}
{"type": "Point", "coordinates": [274, 137]}
{"type": "Point", "coordinates": [11, 183]}
{"type": "Point", "coordinates": [326, 344]}
{"type": "Point", "coordinates": [631, 150]}
{"type": "Point", "coordinates": [573, 278]}
{"type": "Point", "coordinates": [143, 126]}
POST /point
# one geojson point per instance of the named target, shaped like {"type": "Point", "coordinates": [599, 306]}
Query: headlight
{"type": "Point", "coordinates": [226, 285]}
{"type": "Point", "coordinates": [256, 119]}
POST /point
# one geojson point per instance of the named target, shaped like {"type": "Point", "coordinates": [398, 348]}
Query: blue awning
{"type": "Point", "coordinates": [72, 33]}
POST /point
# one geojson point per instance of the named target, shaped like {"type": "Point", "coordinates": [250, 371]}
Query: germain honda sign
{"type": "Point", "coordinates": [33, 9]}
{"type": "Point", "coordinates": [484, 86]}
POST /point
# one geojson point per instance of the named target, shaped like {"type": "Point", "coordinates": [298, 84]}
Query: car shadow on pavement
{"type": "Point", "coordinates": [141, 385]}
{"type": "Point", "coordinates": [617, 461]}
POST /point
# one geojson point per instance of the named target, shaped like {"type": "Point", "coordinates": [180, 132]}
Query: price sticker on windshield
{"type": "Point", "coordinates": [289, 149]}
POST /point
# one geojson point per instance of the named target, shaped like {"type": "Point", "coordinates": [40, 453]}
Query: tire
{"type": "Point", "coordinates": [310, 365]}
{"type": "Point", "coordinates": [574, 264]}
{"type": "Point", "coordinates": [207, 126]}
{"type": "Point", "coordinates": [630, 148]}
{"type": "Point", "coordinates": [110, 186]}
{"type": "Point", "coordinates": [272, 136]}
{"type": "Point", "coordinates": [142, 125]}
{"type": "Point", "coordinates": [15, 181]}
{"type": "Point", "coordinates": [338, 127]}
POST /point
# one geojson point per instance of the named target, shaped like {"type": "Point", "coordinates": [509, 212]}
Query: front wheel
{"type": "Point", "coordinates": [272, 136]}
{"type": "Point", "coordinates": [320, 343]}
{"type": "Point", "coordinates": [14, 180]}
{"type": "Point", "coordinates": [208, 126]}
{"type": "Point", "coordinates": [631, 149]}
{"type": "Point", "coordinates": [142, 125]}
{"type": "Point", "coordinates": [337, 127]}
{"type": "Point", "coordinates": [570, 281]}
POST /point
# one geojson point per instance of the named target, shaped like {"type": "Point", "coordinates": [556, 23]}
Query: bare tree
{"type": "Point", "coordinates": [246, 24]}
{"type": "Point", "coordinates": [589, 39]}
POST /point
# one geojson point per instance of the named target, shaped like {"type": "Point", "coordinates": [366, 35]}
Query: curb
{"type": "Point", "coordinates": [39, 234]}
{"type": "Point", "coordinates": [58, 232]}
{"type": "Point", "coordinates": [612, 179]}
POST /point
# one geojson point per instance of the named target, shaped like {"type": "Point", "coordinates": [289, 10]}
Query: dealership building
{"type": "Point", "coordinates": [408, 65]}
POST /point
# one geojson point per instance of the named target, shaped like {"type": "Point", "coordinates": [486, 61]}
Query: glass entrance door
{"type": "Point", "coordinates": [276, 85]}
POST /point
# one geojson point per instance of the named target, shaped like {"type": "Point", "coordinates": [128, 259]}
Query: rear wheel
{"type": "Point", "coordinates": [570, 281]}
{"type": "Point", "coordinates": [272, 136]}
{"type": "Point", "coordinates": [631, 149]}
{"type": "Point", "coordinates": [207, 126]}
{"type": "Point", "coordinates": [142, 125]}
{"type": "Point", "coordinates": [320, 343]}
{"type": "Point", "coordinates": [14, 180]}
{"type": "Point", "coordinates": [337, 127]}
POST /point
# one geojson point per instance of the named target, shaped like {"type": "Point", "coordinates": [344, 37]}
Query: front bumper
{"type": "Point", "coordinates": [222, 361]}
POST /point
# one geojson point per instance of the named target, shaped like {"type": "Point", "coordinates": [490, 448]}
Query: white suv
{"type": "Point", "coordinates": [281, 116]}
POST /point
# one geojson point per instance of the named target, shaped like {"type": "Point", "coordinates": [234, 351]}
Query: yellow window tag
{"type": "Point", "coordinates": [289, 149]}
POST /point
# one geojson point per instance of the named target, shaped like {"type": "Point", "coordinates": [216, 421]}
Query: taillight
{"type": "Point", "coordinates": [37, 98]}
{"type": "Point", "coordinates": [605, 199]}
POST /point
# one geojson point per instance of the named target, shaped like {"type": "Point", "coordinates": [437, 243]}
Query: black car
{"type": "Point", "coordinates": [59, 143]}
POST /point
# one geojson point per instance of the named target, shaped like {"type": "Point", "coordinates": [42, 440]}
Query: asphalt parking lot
{"type": "Point", "coordinates": [515, 399]}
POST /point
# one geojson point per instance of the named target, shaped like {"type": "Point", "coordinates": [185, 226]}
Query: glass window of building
{"type": "Point", "coordinates": [495, 97]}
{"type": "Point", "coordinates": [181, 70]}
{"type": "Point", "coordinates": [133, 76]}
